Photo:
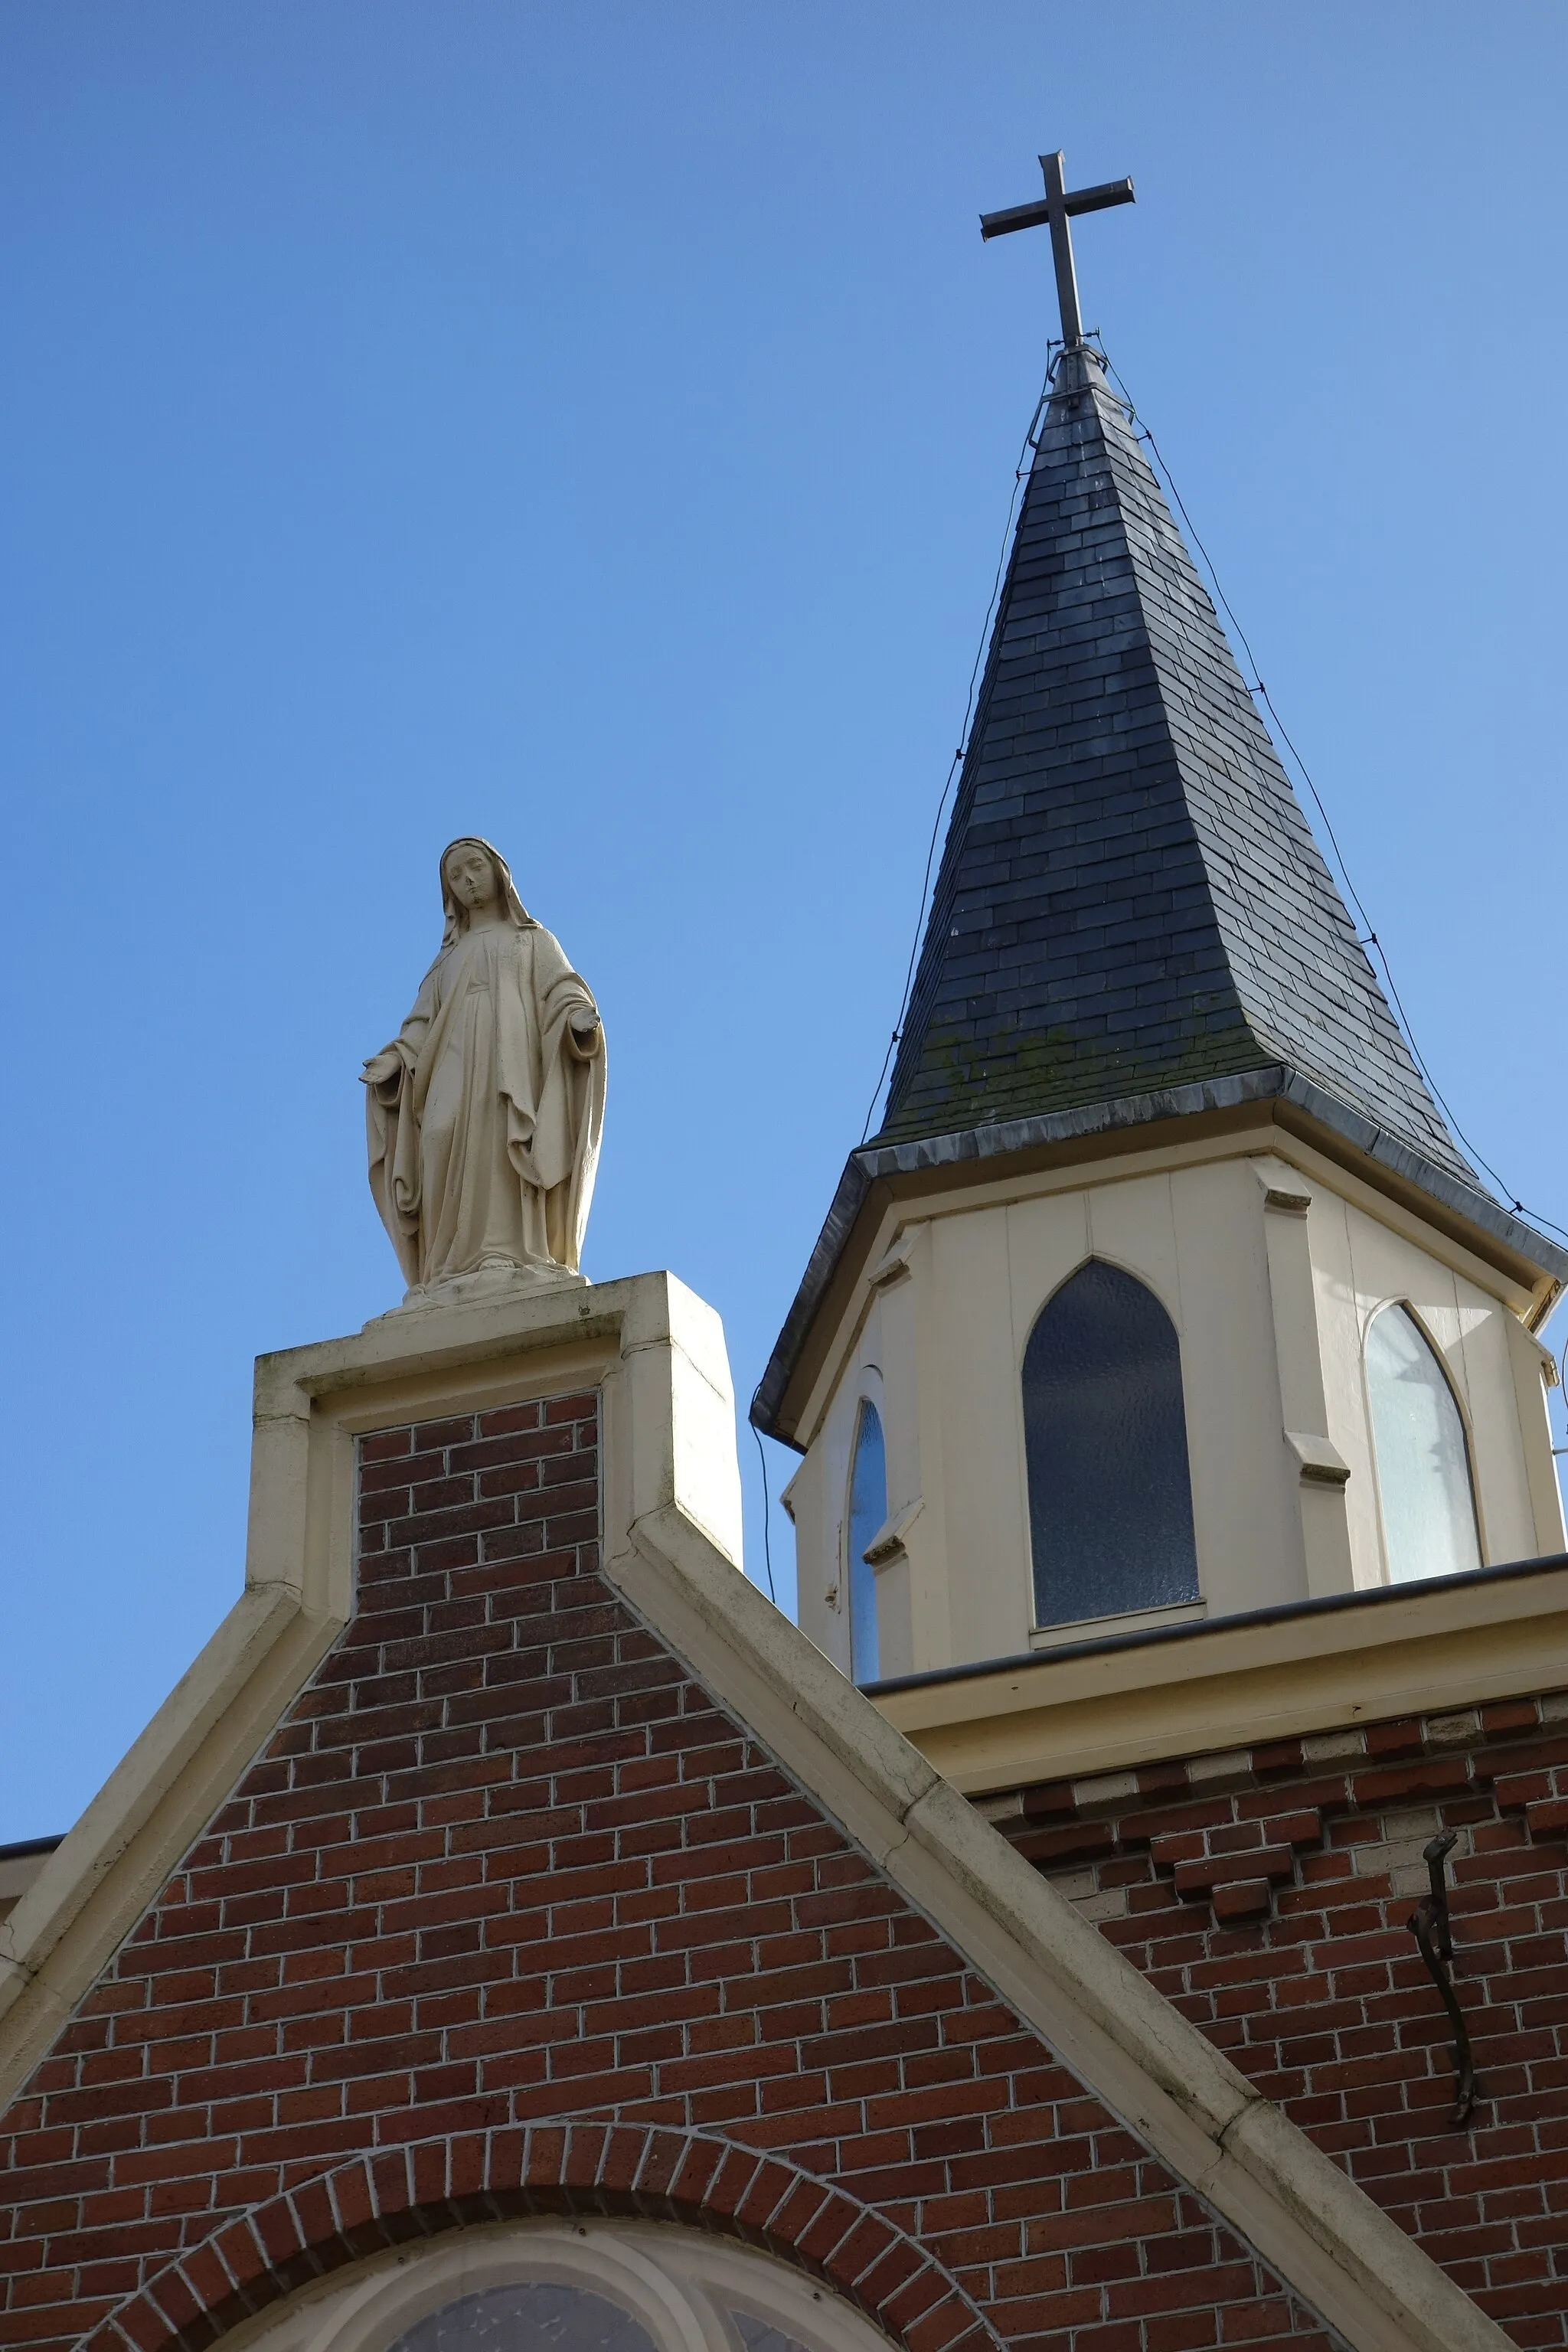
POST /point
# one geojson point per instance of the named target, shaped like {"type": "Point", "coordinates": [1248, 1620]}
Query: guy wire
{"type": "Point", "coordinates": [1261, 691]}
{"type": "Point", "coordinates": [1263, 694]}
{"type": "Point", "coordinates": [767, 1508]}
{"type": "Point", "coordinates": [1019, 474]}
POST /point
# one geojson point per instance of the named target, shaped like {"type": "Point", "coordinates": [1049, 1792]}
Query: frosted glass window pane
{"type": "Point", "coordinates": [534, 2317]}
{"type": "Point", "coordinates": [867, 1513]}
{"type": "Point", "coordinates": [1422, 1464]}
{"type": "Point", "coordinates": [1110, 1505]}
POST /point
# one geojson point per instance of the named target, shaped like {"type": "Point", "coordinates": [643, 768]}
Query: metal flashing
{"type": "Point", "coordinates": [1282, 1613]}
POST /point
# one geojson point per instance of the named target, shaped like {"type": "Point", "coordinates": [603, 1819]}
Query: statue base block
{"type": "Point", "coordinates": [487, 1282]}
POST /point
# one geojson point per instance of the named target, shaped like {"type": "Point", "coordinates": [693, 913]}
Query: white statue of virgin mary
{"type": "Point", "coordinates": [484, 1113]}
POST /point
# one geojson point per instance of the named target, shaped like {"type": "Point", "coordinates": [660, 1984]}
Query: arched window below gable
{"type": "Point", "coordinates": [570, 2286]}
{"type": "Point", "coordinates": [866, 1512]}
{"type": "Point", "coordinates": [1423, 1461]}
{"type": "Point", "coordinates": [1105, 1431]}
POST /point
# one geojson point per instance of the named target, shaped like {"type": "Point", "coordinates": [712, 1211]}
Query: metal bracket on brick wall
{"type": "Point", "coordinates": [1428, 1923]}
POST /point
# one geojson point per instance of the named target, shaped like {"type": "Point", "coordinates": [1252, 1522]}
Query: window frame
{"type": "Point", "coordinates": [1396, 1303]}
{"type": "Point", "coordinates": [1045, 1636]}
{"type": "Point", "coordinates": [674, 2280]}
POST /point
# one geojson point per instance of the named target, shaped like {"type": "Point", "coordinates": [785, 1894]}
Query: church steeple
{"type": "Point", "coordinates": [1131, 899]}
{"type": "Point", "coordinates": [1163, 1293]}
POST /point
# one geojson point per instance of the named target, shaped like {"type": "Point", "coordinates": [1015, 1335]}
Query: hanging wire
{"type": "Point", "coordinates": [1020, 474]}
{"type": "Point", "coordinates": [1259, 688]}
{"type": "Point", "coordinates": [767, 1512]}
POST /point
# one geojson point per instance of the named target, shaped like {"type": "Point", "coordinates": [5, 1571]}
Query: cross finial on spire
{"type": "Point", "coordinates": [1057, 210]}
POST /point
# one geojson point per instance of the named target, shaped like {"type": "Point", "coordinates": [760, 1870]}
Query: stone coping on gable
{"type": "Point", "coordinates": [1463, 1209]}
{"type": "Point", "coordinates": [669, 1495]}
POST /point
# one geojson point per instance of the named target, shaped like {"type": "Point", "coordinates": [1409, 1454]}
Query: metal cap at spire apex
{"type": "Point", "coordinates": [1060, 206]}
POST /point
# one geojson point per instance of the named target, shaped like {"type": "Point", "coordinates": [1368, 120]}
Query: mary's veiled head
{"type": "Point", "coordinates": [474, 874]}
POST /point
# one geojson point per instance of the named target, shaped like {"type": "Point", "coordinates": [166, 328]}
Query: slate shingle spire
{"type": "Point", "coordinates": [1130, 899]}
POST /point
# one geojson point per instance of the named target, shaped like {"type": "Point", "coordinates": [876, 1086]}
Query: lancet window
{"type": "Point", "coordinates": [867, 1513]}
{"type": "Point", "coordinates": [1110, 1505]}
{"type": "Point", "coordinates": [1423, 1460]}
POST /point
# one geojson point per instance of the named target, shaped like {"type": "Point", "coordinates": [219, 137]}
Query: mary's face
{"type": "Point", "coordinates": [470, 876]}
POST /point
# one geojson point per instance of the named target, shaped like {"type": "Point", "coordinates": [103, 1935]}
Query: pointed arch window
{"type": "Point", "coordinates": [868, 1512]}
{"type": "Point", "coordinates": [1423, 1460]}
{"type": "Point", "coordinates": [1105, 1431]}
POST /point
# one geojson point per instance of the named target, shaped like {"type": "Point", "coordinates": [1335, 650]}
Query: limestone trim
{"type": "Point", "coordinates": [1323, 1525]}
{"type": "Point", "coordinates": [114, 1862]}
{"type": "Point", "coordinates": [1322, 1464]}
{"type": "Point", "coordinates": [1239, 1682]}
{"type": "Point", "coordinates": [894, 1264]}
{"type": "Point", "coordinates": [1280, 1185]}
{"type": "Point", "coordinates": [670, 1515]}
{"type": "Point", "coordinates": [888, 1544]}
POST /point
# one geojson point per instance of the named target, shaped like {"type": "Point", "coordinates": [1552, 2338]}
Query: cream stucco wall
{"type": "Point", "coordinates": [1358, 1265]}
{"type": "Point", "coordinates": [1270, 1268]}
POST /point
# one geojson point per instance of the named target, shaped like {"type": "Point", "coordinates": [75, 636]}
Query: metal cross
{"type": "Point", "coordinates": [1060, 207]}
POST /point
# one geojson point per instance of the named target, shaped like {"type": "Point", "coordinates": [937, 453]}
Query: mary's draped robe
{"type": "Point", "coordinates": [484, 1142]}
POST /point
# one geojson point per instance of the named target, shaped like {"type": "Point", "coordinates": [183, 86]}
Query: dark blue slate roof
{"type": "Point", "coordinates": [1130, 899]}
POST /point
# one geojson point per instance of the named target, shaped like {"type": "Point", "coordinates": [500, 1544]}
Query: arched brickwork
{"type": "Point", "coordinates": [384, 2197]}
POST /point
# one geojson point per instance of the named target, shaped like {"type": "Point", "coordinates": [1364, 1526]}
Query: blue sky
{"type": "Point", "coordinates": [593, 427]}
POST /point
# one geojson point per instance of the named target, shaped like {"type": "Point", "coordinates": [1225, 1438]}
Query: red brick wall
{"type": "Point", "coordinates": [1268, 1895]}
{"type": "Point", "coordinates": [505, 1862]}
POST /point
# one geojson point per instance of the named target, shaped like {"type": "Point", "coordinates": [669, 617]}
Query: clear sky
{"type": "Point", "coordinates": [592, 426]}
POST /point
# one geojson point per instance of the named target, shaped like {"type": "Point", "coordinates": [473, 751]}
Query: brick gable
{"type": "Point", "coordinates": [1267, 1893]}
{"type": "Point", "coordinates": [505, 1864]}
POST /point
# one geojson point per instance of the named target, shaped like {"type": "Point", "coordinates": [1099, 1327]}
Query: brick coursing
{"type": "Point", "coordinates": [1267, 1892]}
{"type": "Point", "coordinates": [506, 1866]}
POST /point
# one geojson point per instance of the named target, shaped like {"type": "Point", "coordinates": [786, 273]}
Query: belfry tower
{"type": "Point", "coordinates": [1163, 1296]}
